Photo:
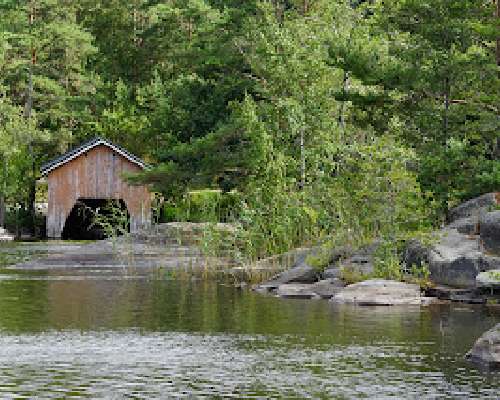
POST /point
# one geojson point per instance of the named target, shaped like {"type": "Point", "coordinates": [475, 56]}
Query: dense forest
{"type": "Point", "coordinates": [311, 119]}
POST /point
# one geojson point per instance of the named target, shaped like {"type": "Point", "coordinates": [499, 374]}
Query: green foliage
{"type": "Point", "coordinates": [301, 122]}
{"type": "Point", "coordinates": [112, 219]}
{"type": "Point", "coordinates": [202, 206]}
{"type": "Point", "coordinates": [351, 275]}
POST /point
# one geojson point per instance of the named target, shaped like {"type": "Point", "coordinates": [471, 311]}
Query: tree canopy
{"type": "Point", "coordinates": [320, 114]}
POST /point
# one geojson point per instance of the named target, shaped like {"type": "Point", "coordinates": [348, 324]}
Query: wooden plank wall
{"type": "Point", "coordinates": [96, 174]}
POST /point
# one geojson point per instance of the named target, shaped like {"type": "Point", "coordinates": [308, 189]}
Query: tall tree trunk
{"type": "Point", "coordinates": [345, 88]}
{"type": "Point", "coordinates": [3, 193]}
{"type": "Point", "coordinates": [278, 10]}
{"type": "Point", "coordinates": [305, 7]}
{"type": "Point", "coordinates": [497, 14]}
{"type": "Point", "coordinates": [446, 106]}
{"type": "Point", "coordinates": [2, 210]}
{"type": "Point", "coordinates": [302, 160]}
{"type": "Point", "coordinates": [28, 106]}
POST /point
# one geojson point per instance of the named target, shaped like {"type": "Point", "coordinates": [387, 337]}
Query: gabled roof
{"type": "Point", "coordinates": [78, 151]}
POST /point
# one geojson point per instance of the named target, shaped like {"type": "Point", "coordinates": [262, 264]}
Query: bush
{"type": "Point", "coordinates": [205, 205]}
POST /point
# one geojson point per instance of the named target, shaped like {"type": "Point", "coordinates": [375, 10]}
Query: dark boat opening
{"type": "Point", "coordinates": [96, 219]}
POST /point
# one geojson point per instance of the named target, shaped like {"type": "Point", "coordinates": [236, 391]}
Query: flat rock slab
{"type": "Point", "coordinates": [327, 288]}
{"type": "Point", "coordinates": [486, 350]}
{"type": "Point", "coordinates": [324, 289]}
{"type": "Point", "coordinates": [296, 291]}
{"type": "Point", "coordinates": [119, 253]}
{"type": "Point", "coordinates": [379, 292]}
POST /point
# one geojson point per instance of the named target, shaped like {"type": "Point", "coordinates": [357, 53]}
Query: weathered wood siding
{"type": "Point", "coordinates": [96, 174]}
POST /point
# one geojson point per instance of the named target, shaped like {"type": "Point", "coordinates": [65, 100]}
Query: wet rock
{"type": "Point", "coordinates": [460, 295]}
{"type": "Point", "coordinates": [446, 292]}
{"type": "Point", "coordinates": [474, 207]}
{"type": "Point", "coordinates": [490, 232]}
{"type": "Point", "coordinates": [296, 290]}
{"type": "Point", "coordinates": [486, 350]}
{"type": "Point", "coordinates": [379, 292]}
{"type": "Point", "coordinates": [489, 279]}
{"type": "Point", "coordinates": [471, 298]}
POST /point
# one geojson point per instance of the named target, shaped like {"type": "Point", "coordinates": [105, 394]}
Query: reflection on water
{"type": "Point", "coordinates": [118, 333]}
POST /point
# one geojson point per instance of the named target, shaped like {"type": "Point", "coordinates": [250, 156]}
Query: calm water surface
{"type": "Point", "coordinates": [142, 334]}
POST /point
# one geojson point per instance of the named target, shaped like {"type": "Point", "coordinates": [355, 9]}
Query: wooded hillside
{"type": "Point", "coordinates": [320, 114]}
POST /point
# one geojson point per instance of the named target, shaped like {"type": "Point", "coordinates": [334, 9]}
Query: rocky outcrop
{"type": "Point", "coordinates": [379, 292]}
{"type": "Point", "coordinates": [489, 231]}
{"type": "Point", "coordinates": [486, 350]}
{"type": "Point", "coordinates": [467, 226]}
{"type": "Point", "coordinates": [359, 262]}
{"type": "Point", "coordinates": [466, 247]}
{"type": "Point", "coordinates": [455, 260]}
{"type": "Point", "coordinates": [331, 273]}
{"type": "Point", "coordinates": [474, 207]}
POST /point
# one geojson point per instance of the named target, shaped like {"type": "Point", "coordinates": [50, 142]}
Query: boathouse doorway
{"type": "Point", "coordinates": [96, 219]}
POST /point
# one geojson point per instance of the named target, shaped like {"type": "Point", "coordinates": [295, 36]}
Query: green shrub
{"type": "Point", "coordinates": [205, 205]}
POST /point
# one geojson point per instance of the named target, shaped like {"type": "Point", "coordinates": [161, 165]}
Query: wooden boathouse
{"type": "Point", "coordinates": [94, 173]}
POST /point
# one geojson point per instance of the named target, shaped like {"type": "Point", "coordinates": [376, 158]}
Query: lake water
{"type": "Point", "coordinates": [125, 333]}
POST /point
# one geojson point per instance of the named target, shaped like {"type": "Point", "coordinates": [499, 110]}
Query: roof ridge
{"type": "Point", "coordinates": [83, 148]}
